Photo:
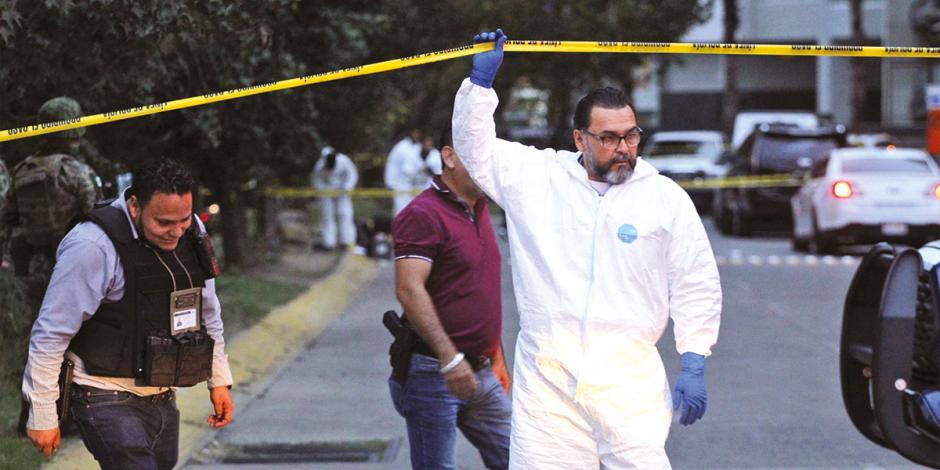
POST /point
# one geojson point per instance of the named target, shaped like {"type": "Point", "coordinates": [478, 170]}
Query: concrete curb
{"type": "Point", "coordinates": [255, 355]}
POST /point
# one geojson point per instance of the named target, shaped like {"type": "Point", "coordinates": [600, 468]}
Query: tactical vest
{"type": "Point", "coordinates": [44, 207]}
{"type": "Point", "coordinates": [112, 342]}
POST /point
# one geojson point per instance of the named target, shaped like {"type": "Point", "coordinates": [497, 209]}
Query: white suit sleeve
{"type": "Point", "coordinates": [434, 162]}
{"type": "Point", "coordinates": [694, 286]}
{"type": "Point", "coordinates": [316, 178]}
{"type": "Point", "coordinates": [351, 174]}
{"type": "Point", "coordinates": [396, 171]}
{"type": "Point", "coordinates": [494, 164]}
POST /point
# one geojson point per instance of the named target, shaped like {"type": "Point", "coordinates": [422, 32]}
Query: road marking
{"type": "Point", "coordinates": [737, 258]}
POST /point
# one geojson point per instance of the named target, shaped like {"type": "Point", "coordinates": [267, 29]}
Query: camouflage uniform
{"type": "Point", "coordinates": [4, 186]}
{"type": "Point", "coordinates": [49, 190]}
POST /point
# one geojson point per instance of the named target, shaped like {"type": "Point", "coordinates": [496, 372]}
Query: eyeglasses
{"type": "Point", "coordinates": [611, 141]}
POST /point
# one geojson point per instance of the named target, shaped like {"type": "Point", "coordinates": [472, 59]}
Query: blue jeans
{"type": "Point", "coordinates": [433, 415]}
{"type": "Point", "coordinates": [125, 431]}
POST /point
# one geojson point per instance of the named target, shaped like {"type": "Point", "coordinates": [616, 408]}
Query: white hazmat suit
{"type": "Point", "coordinates": [403, 170]}
{"type": "Point", "coordinates": [340, 180]}
{"type": "Point", "coordinates": [596, 281]}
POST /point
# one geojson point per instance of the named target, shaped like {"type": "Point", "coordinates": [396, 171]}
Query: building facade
{"type": "Point", "coordinates": [689, 88]}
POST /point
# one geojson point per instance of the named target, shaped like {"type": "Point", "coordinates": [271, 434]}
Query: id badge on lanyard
{"type": "Point", "coordinates": [185, 310]}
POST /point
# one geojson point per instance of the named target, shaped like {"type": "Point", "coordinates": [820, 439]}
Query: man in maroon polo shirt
{"type": "Point", "coordinates": [447, 278]}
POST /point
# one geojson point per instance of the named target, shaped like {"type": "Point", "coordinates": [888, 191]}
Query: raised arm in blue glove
{"type": "Point", "coordinates": [485, 64]}
{"type": "Point", "coordinates": [690, 391]}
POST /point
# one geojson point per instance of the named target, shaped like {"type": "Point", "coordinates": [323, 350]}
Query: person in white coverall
{"type": "Point", "coordinates": [336, 173]}
{"type": "Point", "coordinates": [604, 252]}
{"type": "Point", "coordinates": [403, 167]}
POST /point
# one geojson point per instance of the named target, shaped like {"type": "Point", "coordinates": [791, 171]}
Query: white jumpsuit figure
{"type": "Point", "coordinates": [433, 166]}
{"type": "Point", "coordinates": [341, 179]}
{"type": "Point", "coordinates": [403, 168]}
{"type": "Point", "coordinates": [597, 279]}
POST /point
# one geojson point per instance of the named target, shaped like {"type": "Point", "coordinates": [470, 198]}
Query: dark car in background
{"type": "Point", "coordinates": [771, 150]}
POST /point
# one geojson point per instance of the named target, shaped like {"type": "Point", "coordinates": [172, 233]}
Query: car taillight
{"type": "Point", "coordinates": [936, 191]}
{"type": "Point", "coordinates": [842, 190]}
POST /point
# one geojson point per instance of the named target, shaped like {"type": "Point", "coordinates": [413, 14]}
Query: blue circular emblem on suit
{"type": "Point", "coordinates": [627, 233]}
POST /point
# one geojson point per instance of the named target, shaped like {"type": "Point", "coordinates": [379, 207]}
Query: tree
{"type": "Point", "coordinates": [730, 98]}
{"type": "Point", "coordinates": [115, 54]}
{"type": "Point", "coordinates": [859, 82]}
{"type": "Point", "coordinates": [562, 74]}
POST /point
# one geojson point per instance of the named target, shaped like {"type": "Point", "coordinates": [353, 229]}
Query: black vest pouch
{"type": "Point", "coordinates": [179, 361]}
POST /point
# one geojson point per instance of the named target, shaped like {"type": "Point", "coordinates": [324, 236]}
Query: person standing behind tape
{"type": "Point", "coordinates": [432, 164]}
{"type": "Point", "coordinates": [4, 188]}
{"type": "Point", "coordinates": [403, 166]}
{"type": "Point", "coordinates": [605, 251]}
{"type": "Point", "coordinates": [336, 173]}
{"type": "Point", "coordinates": [447, 278]}
{"type": "Point", "coordinates": [132, 303]}
{"type": "Point", "coordinates": [50, 189]}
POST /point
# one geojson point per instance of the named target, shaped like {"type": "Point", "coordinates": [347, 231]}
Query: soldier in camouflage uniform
{"type": "Point", "coordinates": [50, 189]}
{"type": "Point", "coordinates": [4, 186]}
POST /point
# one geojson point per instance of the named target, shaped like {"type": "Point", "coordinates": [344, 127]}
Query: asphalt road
{"type": "Point", "coordinates": [772, 380]}
{"type": "Point", "coordinates": [773, 383]}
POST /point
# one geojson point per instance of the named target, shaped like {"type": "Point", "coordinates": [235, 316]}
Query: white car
{"type": "Point", "coordinates": [688, 156]}
{"type": "Point", "coordinates": [868, 195]}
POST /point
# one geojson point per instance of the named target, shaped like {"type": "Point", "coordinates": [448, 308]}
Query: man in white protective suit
{"type": "Point", "coordinates": [335, 173]}
{"type": "Point", "coordinates": [403, 167]}
{"type": "Point", "coordinates": [604, 252]}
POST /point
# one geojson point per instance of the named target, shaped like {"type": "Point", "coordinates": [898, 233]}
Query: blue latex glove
{"type": "Point", "coordinates": [485, 64]}
{"type": "Point", "coordinates": [690, 389]}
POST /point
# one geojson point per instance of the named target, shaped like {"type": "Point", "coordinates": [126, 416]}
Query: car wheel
{"type": "Point", "coordinates": [740, 225]}
{"type": "Point", "coordinates": [722, 215]}
{"type": "Point", "coordinates": [818, 244]}
{"type": "Point", "coordinates": [798, 244]}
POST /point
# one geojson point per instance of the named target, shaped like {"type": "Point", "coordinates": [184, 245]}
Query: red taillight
{"type": "Point", "coordinates": [204, 216]}
{"type": "Point", "coordinates": [842, 189]}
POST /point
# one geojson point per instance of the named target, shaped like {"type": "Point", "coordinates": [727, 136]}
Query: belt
{"type": "Point", "coordinates": [478, 363]}
{"type": "Point", "coordinates": [88, 392]}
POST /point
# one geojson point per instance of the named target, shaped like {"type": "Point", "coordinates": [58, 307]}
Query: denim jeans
{"type": "Point", "coordinates": [125, 431]}
{"type": "Point", "coordinates": [433, 416]}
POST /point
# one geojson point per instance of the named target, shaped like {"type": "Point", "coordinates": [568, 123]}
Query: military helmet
{"type": "Point", "coordinates": [58, 109]}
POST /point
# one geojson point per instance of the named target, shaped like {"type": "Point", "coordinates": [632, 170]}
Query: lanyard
{"type": "Point", "coordinates": [172, 277]}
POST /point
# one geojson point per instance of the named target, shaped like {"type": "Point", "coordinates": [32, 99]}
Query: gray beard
{"type": "Point", "coordinates": [609, 175]}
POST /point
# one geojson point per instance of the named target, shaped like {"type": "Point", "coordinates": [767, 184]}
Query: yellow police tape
{"type": "Point", "coordinates": [761, 181]}
{"type": "Point", "coordinates": [447, 54]}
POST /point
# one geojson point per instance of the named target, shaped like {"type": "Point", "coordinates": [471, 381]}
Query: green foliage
{"type": "Point", "coordinates": [116, 54]}
{"type": "Point", "coordinates": [17, 453]}
{"type": "Point", "coordinates": [248, 298]}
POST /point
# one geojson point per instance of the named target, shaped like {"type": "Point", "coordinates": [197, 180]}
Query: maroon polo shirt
{"type": "Point", "coordinates": [465, 265]}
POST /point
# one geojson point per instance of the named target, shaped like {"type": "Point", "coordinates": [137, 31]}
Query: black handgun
{"type": "Point", "coordinates": [65, 389]}
{"type": "Point", "coordinates": [399, 353]}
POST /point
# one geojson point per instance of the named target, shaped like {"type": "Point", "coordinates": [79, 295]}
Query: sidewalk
{"type": "Point", "coordinates": [256, 354]}
{"type": "Point", "coordinates": [328, 408]}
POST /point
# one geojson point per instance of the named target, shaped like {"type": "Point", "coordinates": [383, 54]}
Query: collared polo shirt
{"type": "Point", "coordinates": [464, 283]}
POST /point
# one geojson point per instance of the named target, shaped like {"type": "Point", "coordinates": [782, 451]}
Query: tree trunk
{"type": "Point", "coordinates": [730, 100]}
{"type": "Point", "coordinates": [560, 109]}
{"type": "Point", "coordinates": [236, 252]}
{"type": "Point", "coordinates": [859, 86]}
